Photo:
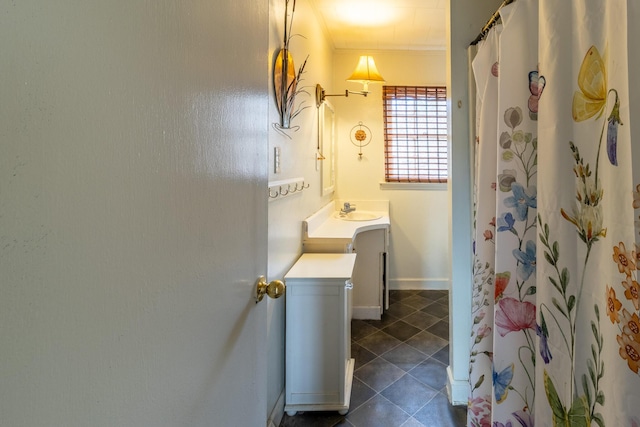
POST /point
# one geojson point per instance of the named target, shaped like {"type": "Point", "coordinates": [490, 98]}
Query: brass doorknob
{"type": "Point", "coordinates": [275, 288]}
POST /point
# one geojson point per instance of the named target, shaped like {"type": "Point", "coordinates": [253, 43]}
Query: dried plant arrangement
{"type": "Point", "coordinates": [286, 81]}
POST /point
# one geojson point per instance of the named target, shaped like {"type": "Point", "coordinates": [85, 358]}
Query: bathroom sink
{"type": "Point", "coordinates": [357, 216]}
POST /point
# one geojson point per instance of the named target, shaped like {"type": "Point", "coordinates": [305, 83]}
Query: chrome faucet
{"type": "Point", "coordinates": [348, 207]}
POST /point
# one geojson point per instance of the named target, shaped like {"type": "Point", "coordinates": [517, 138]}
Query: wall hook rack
{"type": "Point", "coordinates": [287, 187]}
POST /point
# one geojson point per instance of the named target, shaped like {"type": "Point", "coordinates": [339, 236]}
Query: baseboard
{"type": "Point", "coordinates": [457, 390]}
{"type": "Point", "coordinates": [275, 418]}
{"type": "Point", "coordinates": [366, 312]}
{"type": "Point", "coordinates": [441, 284]}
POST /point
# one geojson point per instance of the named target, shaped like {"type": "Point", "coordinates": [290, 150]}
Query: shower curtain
{"type": "Point", "coordinates": [555, 307]}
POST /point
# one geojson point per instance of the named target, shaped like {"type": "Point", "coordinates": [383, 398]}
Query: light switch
{"type": "Point", "coordinates": [276, 160]}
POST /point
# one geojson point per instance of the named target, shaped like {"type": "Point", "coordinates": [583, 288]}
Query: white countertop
{"type": "Point", "coordinates": [324, 225]}
{"type": "Point", "coordinates": [322, 266]}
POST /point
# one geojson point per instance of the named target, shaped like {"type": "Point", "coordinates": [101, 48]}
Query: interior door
{"type": "Point", "coordinates": [133, 213]}
{"type": "Point", "coordinates": [239, 171]}
{"type": "Point", "coordinates": [239, 329]}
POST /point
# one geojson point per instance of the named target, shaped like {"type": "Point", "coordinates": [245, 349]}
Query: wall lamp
{"type": "Point", "coordinates": [365, 73]}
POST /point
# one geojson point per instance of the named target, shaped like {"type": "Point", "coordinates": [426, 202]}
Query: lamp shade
{"type": "Point", "coordinates": [366, 72]}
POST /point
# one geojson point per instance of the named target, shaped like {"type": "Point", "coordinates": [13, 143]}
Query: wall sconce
{"type": "Point", "coordinates": [365, 73]}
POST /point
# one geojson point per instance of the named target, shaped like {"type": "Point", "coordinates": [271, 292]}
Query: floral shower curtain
{"type": "Point", "coordinates": [556, 333]}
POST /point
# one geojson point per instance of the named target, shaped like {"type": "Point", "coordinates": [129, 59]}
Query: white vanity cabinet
{"type": "Point", "coordinates": [319, 367]}
{"type": "Point", "coordinates": [326, 232]}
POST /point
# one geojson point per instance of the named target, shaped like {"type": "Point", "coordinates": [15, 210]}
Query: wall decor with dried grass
{"type": "Point", "coordinates": [286, 82]}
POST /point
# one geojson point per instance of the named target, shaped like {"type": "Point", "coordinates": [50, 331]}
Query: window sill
{"type": "Point", "coordinates": [431, 186]}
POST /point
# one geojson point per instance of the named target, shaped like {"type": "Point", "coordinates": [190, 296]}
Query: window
{"type": "Point", "coordinates": [415, 133]}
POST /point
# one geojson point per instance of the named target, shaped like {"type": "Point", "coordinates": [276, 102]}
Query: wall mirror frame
{"type": "Point", "coordinates": [326, 147]}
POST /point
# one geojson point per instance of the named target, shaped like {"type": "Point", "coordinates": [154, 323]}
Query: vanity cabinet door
{"type": "Point", "coordinates": [319, 368]}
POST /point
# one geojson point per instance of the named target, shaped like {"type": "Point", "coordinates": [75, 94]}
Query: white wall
{"type": "Point", "coordinates": [419, 252]}
{"type": "Point", "coordinates": [297, 159]}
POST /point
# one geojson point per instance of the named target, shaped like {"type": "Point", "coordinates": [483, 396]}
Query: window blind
{"type": "Point", "coordinates": [415, 132]}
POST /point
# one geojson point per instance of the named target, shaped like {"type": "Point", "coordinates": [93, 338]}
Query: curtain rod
{"type": "Point", "coordinates": [490, 22]}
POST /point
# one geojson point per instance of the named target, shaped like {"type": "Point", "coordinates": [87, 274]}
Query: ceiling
{"type": "Point", "coordinates": [384, 24]}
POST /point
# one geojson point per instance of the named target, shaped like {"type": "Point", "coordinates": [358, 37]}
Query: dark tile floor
{"type": "Point", "coordinates": [400, 369]}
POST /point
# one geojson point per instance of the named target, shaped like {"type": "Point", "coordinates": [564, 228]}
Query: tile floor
{"type": "Point", "coordinates": [400, 369]}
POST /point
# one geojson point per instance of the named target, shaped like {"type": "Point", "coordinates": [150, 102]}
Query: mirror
{"type": "Point", "coordinates": [326, 147]}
